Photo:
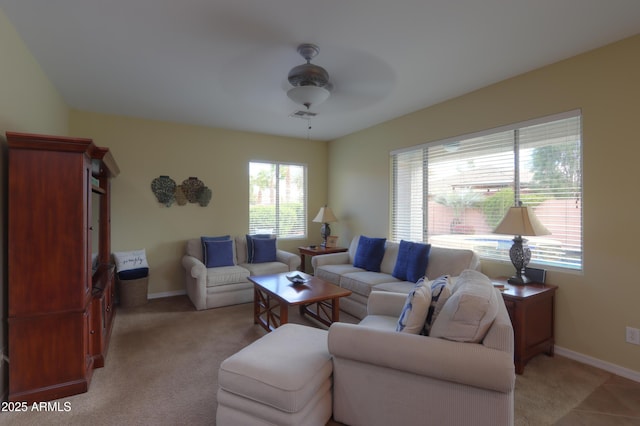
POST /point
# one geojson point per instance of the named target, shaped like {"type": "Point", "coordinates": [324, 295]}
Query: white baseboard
{"type": "Point", "coordinates": [603, 365]}
{"type": "Point", "coordinates": [167, 294]}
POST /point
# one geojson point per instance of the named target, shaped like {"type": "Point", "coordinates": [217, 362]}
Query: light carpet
{"type": "Point", "coordinates": [162, 366]}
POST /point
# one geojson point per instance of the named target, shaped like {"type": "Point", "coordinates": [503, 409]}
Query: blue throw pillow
{"type": "Point", "coordinates": [412, 261]}
{"type": "Point", "coordinates": [440, 293]}
{"type": "Point", "coordinates": [204, 240]}
{"type": "Point", "coordinates": [218, 253]}
{"type": "Point", "coordinates": [369, 253]}
{"type": "Point", "coordinates": [264, 250]}
{"type": "Point", "coordinates": [250, 239]}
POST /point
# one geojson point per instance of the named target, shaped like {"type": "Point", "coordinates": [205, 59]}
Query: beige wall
{"type": "Point", "coordinates": [28, 103]}
{"type": "Point", "coordinates": [593, 307]}
{"type": "Point", "coordinates": [146, 149]}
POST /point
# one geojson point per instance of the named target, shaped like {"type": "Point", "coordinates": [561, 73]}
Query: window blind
{"type": "Point", "coordinates": [454, 192]}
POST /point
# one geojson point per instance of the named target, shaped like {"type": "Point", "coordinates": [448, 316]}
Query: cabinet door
{"type": "Point", "coordinates": [47, 245]}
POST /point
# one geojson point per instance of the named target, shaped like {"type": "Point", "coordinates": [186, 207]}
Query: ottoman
{"type": "Point", "coordinates": [283, 378]}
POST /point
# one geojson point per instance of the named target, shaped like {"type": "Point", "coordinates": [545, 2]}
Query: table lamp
{"type": "Point", "coordinates": [324, 216]}
{"type": "Point", "coordinates": [520, 220]}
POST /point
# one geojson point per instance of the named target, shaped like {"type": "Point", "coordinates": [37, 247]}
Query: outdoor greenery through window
{"type": "Point", "coordinates": [278, 199]}
{"type": "Point", "coordinates": [453, 193]}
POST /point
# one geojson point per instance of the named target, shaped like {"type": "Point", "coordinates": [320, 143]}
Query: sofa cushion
{"type": "Point", "coordinates": [265, 268]}
{"type": "Point", "coordinates": [470, 310]}
{"type": "Point", "coordinates": [217, 252]}
{"type": "Point", "coordinates": [224, 275]}
{"type": "Point", "coordinates": [194, 248]}
{"type": "Point", "coordinates": [414, 312]}
{"type": "Point", "coordinates": [333, 273]}
{"type": "Point", "coordinates": [369, 253]}
{"type": "Point", "coordinates": [264, 250]}
{"type": "Point", "coordinates": [449, 261]}
{"type": "Point", "coordinates": [363, 282]}
{"type": "Point", "coordinates": [395, 287]}
{"type": "Point", "coordinates": [250, 238]}
{"type": "Point", "coordinates": [412, 260]}
{"type": "Point", "coordinates": [440, 293]}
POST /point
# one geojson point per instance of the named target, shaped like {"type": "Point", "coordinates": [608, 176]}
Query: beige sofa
{"type": "Point", "coordinates": [338, 268]}
{"type": "Point", "coordinates": [379, 376]}
{"type": "Point", "coordinates": [383, 377]}
{"type": "Point", "coordinates": [228, 285]}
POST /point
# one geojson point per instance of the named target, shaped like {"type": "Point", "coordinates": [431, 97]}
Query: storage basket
{"type": "Point", "coordinates": [133, 292]}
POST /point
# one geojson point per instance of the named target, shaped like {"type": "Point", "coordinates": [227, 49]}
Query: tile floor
{"type": "Point", "coordinates": [614, 403]}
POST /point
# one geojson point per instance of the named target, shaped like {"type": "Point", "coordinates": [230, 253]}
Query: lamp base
{"type": "Point", "coordinates": [325, 231]}
{"type": "Point", "coordinates": [519, 280]}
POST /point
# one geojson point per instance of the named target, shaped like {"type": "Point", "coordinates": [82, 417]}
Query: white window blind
{"type": "Point", "coordinates": [278, 199]}
{"type": "Point", "coordinates": [408, 177]}
{"type": "Point", "coordinates": [453, 193]}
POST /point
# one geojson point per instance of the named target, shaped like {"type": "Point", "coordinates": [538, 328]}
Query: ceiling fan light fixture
{"type": "Point", "coordinates": [308, 95]}
{"type": "Point", "coordinates": [308, 75]}
{"type": "Point", "coordinates": [310, 82]}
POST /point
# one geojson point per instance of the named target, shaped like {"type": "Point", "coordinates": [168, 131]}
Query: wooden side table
{"type": "Point", "coordinates": [314, 251]}
{"type": "Point", "coordinates": [530, 308]}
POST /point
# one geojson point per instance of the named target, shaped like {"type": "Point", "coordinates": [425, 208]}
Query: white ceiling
{"type": "Point", "coordinates": [224, 63]}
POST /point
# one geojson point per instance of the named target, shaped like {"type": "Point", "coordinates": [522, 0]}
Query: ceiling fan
{"type": "Point", "coordinates": [310, 82]}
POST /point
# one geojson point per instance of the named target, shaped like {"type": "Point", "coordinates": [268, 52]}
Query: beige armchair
{"type": "Point", "coordinates": [384, 377]}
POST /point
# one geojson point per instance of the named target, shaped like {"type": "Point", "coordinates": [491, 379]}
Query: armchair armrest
{"type": "Point", "coordinates": [291, 259]}
{"type": "Point", "coordinates": [195, 281]}
{"type": "Point", "coordinates": [330, 259]}
{"type": "Point", "coordinates": [465, 363]}
{"type": "Point", "coordinates": [386, 303]}
{"type": "Point", "coordinates": [194, 267]}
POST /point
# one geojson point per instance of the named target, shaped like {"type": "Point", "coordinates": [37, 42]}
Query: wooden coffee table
{"type": "Point", "coordinates": [276, 291]}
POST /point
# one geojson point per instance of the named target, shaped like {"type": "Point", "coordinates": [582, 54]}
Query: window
{"type": "Point", "coordinates": [278, 199]}
{"type": "Point", "coordinates": [454, 192]}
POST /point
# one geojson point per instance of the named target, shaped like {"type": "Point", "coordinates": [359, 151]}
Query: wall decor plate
{"type": "Point", "coordinates": [181, 199]}
{"type": "Point", "coordinates": [164, 189]}
{"type": "Point", "coordinates": [191, 188]}
{"type": "Point", "coordinates": [204, 197]}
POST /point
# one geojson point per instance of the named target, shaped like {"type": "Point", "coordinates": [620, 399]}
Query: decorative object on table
{"type": "Point", "coordinates": [296, 279]}
{"type": "Point", "coordinates": [324, 216]}
{"type": "Point", "coordinates": [520, 220]}
{"type": "Point", "coordinates": [164, 189]}
{"type": "Point", "coordinates": [332, 241]}
{"type": "Point", "coordinates": [191, 190]}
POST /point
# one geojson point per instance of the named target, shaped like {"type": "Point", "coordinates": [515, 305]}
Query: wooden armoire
{"type": "Point", "coordinates": [60, 276]}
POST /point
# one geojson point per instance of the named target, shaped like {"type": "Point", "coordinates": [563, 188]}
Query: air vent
{"type": "Point", "coordinates": [303, 114]}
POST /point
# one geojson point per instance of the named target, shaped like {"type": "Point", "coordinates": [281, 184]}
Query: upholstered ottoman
{"type": "Point", "coordinates": [283, 378]}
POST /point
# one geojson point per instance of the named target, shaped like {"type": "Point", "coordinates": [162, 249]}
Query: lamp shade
{"type": "Point", "coordinates": [325, 215]}
{"type": "Point", "coordinates": [308, 95]}
{"type": "Point", "coordinates": [521, 221]}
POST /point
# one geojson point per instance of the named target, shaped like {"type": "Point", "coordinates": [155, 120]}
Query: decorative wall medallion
{"type": "Point", "coordinates": [204, 197]}
{"type": "Point", "coordinates": [191, 190]}
{"type": "Point", "coordinates": [164, 188]}
{"type": "Point", "coordinates": [181, 199]}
